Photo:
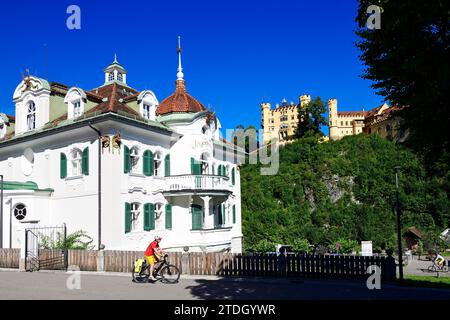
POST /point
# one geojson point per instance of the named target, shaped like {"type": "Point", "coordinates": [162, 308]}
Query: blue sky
{"type": "Point", "coordinates": [236, 54]}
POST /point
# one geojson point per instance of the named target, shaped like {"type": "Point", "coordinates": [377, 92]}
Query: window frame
{"type": "Point", "coordinates": [31, 114]}
{"type": "Point", "coordinates": [72, 160]}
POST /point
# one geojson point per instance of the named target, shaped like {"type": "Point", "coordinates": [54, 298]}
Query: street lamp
{"type": "Point", "coordinates": [399, 232]}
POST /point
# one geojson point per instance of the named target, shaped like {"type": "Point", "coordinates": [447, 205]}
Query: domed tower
{"type": "Point", "coordinates": [180, 101]}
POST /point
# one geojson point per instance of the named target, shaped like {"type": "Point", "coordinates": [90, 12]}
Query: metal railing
{"type": "Point", "coordinates": [198, 183]}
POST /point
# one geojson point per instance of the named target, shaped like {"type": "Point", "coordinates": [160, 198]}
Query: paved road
{"type": "Point", "coordinates": [420, 268]}
{"type": "Point", "coordinates": [52, 285]}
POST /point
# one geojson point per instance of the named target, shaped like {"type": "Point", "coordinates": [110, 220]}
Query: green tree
{"type": "Point", "coordinates": [311, 117]}
{"type": "Point", "coordinates": [408, 61]}
{"type": "Point", "coordinates": [342, 189]}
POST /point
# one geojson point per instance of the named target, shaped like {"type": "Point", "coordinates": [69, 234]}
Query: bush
{"type": "Point", "coordinates": [347, 246]}
{"type": "Point", "coordinates": [78, 240]}
{"type": "Point", "coordinates": [264, 246]}
{"type": "Point", "coordinates": [301, 246]}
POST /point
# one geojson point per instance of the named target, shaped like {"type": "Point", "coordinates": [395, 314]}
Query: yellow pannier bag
{"type": "Point", "coordinates": [138, 265]}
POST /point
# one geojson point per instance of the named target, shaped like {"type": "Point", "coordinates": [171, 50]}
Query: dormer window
{"type": "Point", "coordinates": [76, 101]}
{"type": "Point", "coordinates": [146, 111]}
{"type": "Point", "coordinates": [31, 116]}
{"type": "Point", "coordinates": [77, 109]}
{"type": "Point", "coordinates": [147, 105]}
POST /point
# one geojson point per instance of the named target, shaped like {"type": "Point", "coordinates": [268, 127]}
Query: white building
{"type": "Point", "coordinates": [165, 170]}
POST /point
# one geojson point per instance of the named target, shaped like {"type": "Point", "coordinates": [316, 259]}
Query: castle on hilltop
{"type": "Point", "coordinates": [281, 123]}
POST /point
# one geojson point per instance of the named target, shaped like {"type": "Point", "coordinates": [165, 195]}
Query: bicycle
{"type": "Point", "coordinates": [438, 268]}
{"type": "Point", "coordinates": [167, 273]}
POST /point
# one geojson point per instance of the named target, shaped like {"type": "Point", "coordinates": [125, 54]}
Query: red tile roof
{"type": "Point", "coordinates": [179, 101]}
{"type": "Point", "coordinates": [114, 94]}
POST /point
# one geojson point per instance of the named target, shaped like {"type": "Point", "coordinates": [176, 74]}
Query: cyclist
{"type": "Point", "coordinates": [153, 254]}
{"type": "Point", "coordinates": [439, 260]}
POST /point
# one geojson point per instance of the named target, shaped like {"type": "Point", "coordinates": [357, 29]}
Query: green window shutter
{"type": "Point", "coordinates": [234, 214]}
{"type": "Point", "coordinates": [168, 216]}
{"type": "Point", "coordinates": [197, 217]}
{"type": "Point", "coordinates": [126, 159]}
{"type": "Point", "coordinates": [127, 217]}
{"type": "Point", "coordinates": [149, 217]}
{"type": "Point", "coordinates": [62, 166]}
{"type": "Point", "coordinates": [219, 172]}
{"type": "Point", "coordinates": [85, 162]}
{"type": "Point", "coordinates": [196, 167]}
{"type": "Point", "coordinates": [167, 166]}
{"type": "Point", "coordinates": [148, 163]}
{"type": "Point", "coordinates": [213, 169]}
{"type": "Point", "coordinates": [233, 176]}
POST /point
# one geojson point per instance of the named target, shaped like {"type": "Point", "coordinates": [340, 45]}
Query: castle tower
{"type": "Point", "coordinates": [265, 114]}
{"type": "Point", "coordinates": [304, 100]}
{"type": "Point", "coordinates": [333, 119]}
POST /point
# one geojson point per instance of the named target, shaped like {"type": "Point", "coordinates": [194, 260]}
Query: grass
{"type": "Point", "coordinates": [427, 281]}
{"type": "Point", "coordinates": [446, 254]}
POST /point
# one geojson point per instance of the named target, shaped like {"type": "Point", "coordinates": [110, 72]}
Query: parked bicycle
{"type": "Point", "coordinates": [167, 273]}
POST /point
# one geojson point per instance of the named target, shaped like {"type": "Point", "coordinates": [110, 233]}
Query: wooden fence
{"type": "Point", "coordinates": [231, 265]}
{"type": "Point", "coordinates": [9, 258]}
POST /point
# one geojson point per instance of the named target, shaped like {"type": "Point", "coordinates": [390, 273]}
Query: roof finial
{"type": "Point", "coordinates": [180, 74]}
{"type": "Point", "coordinates": [115, 58]}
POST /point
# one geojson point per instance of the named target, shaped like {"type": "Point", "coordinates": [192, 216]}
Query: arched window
{"type": "Point", "coordinates": [159, 221]}
{"type": "Point", "coordinates": [77, 109]}
{"type": "Point", "coordinates": [136, 224]}
{"type": "Point", "coordinates": [146, 111]}
{"type": "Point", "coordinates": [205, 129]}
{"type": "Point", "coordinates": [157, 165]}
{"type": "Point", "coordinates": [75, 163]}
{"type": "Point", "coordinates": [204, 161]}
{"type": "Point", "coordinates": [31, 116]}
{"type": "Point", "coordinates": [134, 159]}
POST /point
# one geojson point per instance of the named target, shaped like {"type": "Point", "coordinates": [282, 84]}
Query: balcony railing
{"type": "Point", "coordinates": [198, 183]}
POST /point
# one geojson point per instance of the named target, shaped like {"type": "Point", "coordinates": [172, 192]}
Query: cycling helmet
{"type": "Point", "coordinates": [158, 238]}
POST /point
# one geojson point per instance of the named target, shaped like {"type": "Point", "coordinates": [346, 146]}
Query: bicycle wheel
{"type": "Point", "coordinates": [170, 274]}
{"type": "Point", "coordinates": [142, 276]}
{"type": "Point", "coordinates": [445, 269]}
{"type": "Point", "coordinates": [432, 268]}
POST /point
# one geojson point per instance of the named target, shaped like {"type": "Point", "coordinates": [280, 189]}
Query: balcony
{"type": "Point", "coordinates": [198, 184]}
